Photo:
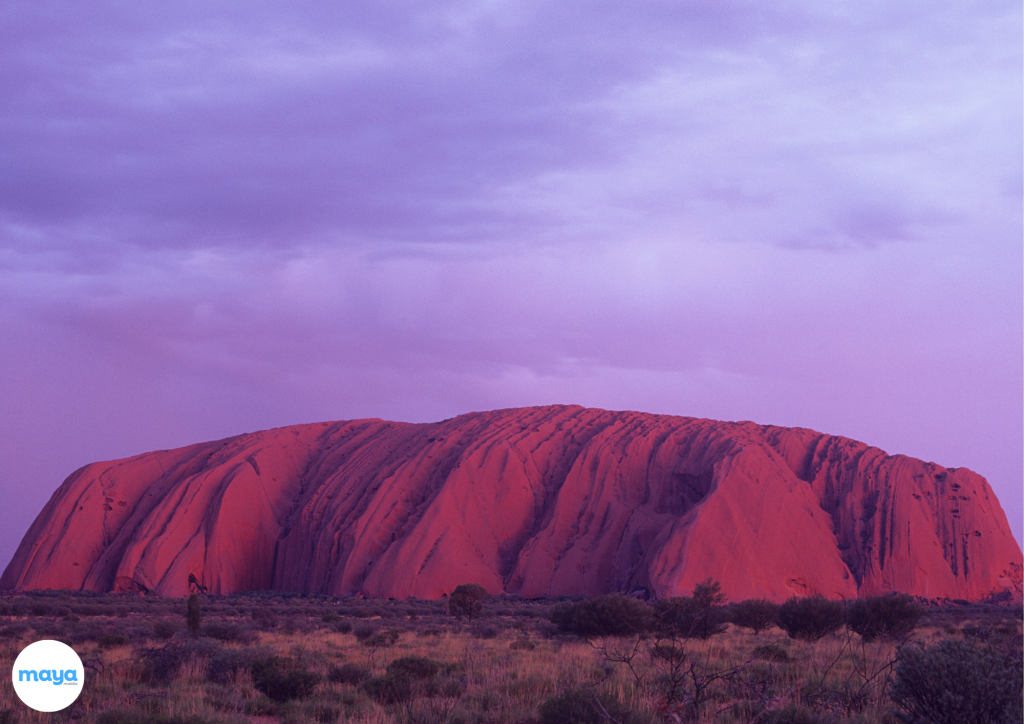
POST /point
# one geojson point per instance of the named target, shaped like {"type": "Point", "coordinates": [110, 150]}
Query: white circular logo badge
{"type": "Point", "coordinates": [48, 675]}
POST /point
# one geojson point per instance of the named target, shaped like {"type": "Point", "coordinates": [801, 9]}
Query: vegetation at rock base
{"type": "Point", "coordinates": [811, 618]}
{"type": "Point", "coordinates": [701, 615]}
{"type": "Point", "coordinates": [610, 615]}
{"type": "Point", "coordinates": [757, 614]}
{"type": "Point", "coordinates": [467, 600]}
{"type": "Point", "coordinates": [893, 617]}
{"type": "Point", "coordinates": [276, 657]}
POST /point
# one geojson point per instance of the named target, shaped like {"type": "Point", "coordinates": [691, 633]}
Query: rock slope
{"type": "Point", "coordinates": [536, 502]}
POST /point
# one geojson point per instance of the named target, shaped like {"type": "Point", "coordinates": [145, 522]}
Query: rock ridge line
{"type": "Point", "coordinates": [541, 501]}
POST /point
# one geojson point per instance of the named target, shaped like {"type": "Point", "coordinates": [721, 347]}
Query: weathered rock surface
{"type": "Point", "coordinates": [535, 501]}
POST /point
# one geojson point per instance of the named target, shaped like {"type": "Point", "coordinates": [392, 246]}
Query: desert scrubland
{"type": "Point", "coordinates": [311, 658]}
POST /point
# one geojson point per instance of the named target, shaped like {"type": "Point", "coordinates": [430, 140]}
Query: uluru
{"type": "Point", "coordinates": [534, 502]}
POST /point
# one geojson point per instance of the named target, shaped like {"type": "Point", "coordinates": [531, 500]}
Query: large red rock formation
{"type": "Point", "coordinates": [536, 501]}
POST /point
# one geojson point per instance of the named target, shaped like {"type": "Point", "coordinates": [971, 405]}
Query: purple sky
{"type": "Point", "coordinates": [220, 217]}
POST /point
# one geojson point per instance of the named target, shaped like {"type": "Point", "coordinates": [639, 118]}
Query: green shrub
{"type": "Point", "coordinates": [14, 630]}
{"type": "Point", "coordinates": [485, 632]}
{"type": "Point", "coordinates": [771, 652]}
{"type": "Point", "coordinates": [229, 631]}
{"type": "Point", "coordinates": [348, 674]}
{"type": "Point", "coordinates": [226, 662]}
{"type": "Point", "coordinates": [582, 706]}
{"type": "Point", "coordinates": [163, 662]}
{"type": "Point", "coordinates": [791, 713]}
{"type": "Point", "coordinates": [955, 682]}
{"type": "Point", "coordinates": [609, 615]}
{"type": "Point", "coordinates": [467, 600]}
{"type": "Point", "coordinates": [364, 631]}
{"type": "Point", "coordinates": [164, 628]}
{"type": "Point", "coordinates": [358, 611]}
{"type": "Point", "coordinates": [283, 684]}
{"type": "Point", "coordinates": [41, 609]}
{"type": "Point", "coordinates": [264, 618]}
{"type": "Point", "coordinates": [388, 689]}
{"type": "Point", "coordinates": [414, 667]}
{"type": "Point", "coordinates": [757, 614]}
{"type": "Point", "coordinates": [812, 618]}
{"type": "Point", "coordinates": [888, 617]}
{"type": "Point", "coordinates": [110, 640]}
{"type": "Point", "coordinates": [117, 716]}
{"type": "Point", "coordinates": [381, 639]}
{"type": "Point", "coordinates": [699, 616]}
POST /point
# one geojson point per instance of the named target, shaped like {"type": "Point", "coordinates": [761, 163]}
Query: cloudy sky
{"type": "Point", "coordinates": [220, 217]}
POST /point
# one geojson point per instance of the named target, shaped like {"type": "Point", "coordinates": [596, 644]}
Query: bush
{"type": "Point", "coordinates": [757, 614]}
{"type": "Point", "coordinates": [162, 663]}
{"type": "Point", "coordinates": [364, 631]}
{"type": "Point", "coordinates": [889, 617]}
{"type": "Point", "coordinates": [117, 716]}
{"type": "Point", "coordinates": [485, 632]}
{"type": "Point", "coordinates": [112, 640]}
{"type": "Point", "coordinates": [226, 662]}
{"type": "Point", "coordinates": [348, 674]}
{"type": "Point", "coordinates": [810, 619]}
{"type": "Point", "coordinates": [381, 639]}
{"type": "Point", "coordinates": [227, 631]}
{"type": "Point", "coordinates": [269, 678]}
{"type": "Point", "coordinates": [264, 618]}
{"type": "Point", "coordinates": [955, 682]}
{"type": "Point", "coordinates": [14, 630]}
{"type": "Point", "coordinates": [610, 615]}
{"type": "Point", "coordinates": [388, 689]}
{"type": "Point", "coordinates": [164, 629]}
{"type": "Point", "coordinates": [414, 667]}
{"type": "Point", "coordinates": [699, 616]}
{"type": "Point", "coordinates": [582, 706]}
{"type": "Point", "coordinates": [771, 652]}
{"type": "Point", "coordinates": [358, 612]}
{"type": "Point", "coordinates": [791, 713]}
{"type": "Point", "coordinates": [467, 600]}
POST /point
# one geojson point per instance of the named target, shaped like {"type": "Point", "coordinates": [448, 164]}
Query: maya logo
{"type": "Point", "coordinates": [47, 675]}
{"type": "Point", "coordinates": [54, 676]}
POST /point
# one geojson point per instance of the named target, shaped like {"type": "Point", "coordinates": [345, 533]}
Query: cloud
{"type": "Point", "coordinates": [504, 122]}
{"type": "Point", "coordinates": [215, 218]}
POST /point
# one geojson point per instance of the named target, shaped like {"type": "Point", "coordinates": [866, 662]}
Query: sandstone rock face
{"type": "Point", "coordinates": [536, 502]}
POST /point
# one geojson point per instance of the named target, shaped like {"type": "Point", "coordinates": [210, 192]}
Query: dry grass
{"type": "Point", "coordinates": [499, 677]}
